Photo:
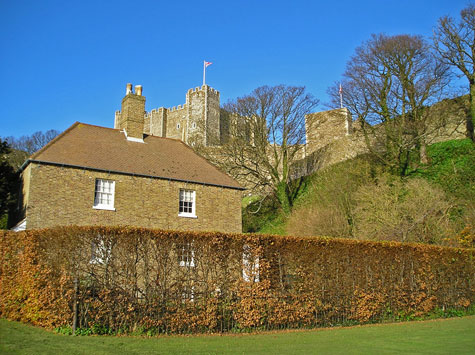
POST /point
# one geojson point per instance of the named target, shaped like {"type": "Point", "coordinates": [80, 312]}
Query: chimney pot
{"type": "Point", "coordinates": [128, 90]}
{"type": "Point", "coordinates": [138, 90]}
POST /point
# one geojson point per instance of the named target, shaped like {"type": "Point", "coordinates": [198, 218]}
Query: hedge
{"type": "Point", "coordinates": [127, 279]}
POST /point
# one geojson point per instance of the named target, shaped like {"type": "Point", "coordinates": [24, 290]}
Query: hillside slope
{"type": "Point", "coordinates": [359, 199]}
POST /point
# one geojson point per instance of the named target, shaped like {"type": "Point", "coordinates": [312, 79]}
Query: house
{"type": "Point", "coordinates": [92, 175]}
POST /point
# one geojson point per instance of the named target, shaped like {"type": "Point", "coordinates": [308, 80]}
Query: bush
{"type": "Point", "coordinates": [393, 209]}
{"type": "Point", "coordinates": [152, 281]}
{"type": "Point", "coordinates": [327, 206]}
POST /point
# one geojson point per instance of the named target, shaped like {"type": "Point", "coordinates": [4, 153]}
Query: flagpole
{"type": "Point", "coordinates": [341, 97]}
{"type": "Point", "coordinates": [204, 72]}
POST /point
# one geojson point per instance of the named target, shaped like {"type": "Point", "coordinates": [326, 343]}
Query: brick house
{"type": "Point", "coordinates": [92, 175]}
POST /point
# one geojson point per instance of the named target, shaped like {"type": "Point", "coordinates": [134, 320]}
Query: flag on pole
{"type": "Point", "coordinates": [205, 65]}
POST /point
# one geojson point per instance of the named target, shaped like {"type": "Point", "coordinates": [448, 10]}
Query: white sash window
{"type": "Point", "coordinates": [187, 206]}
{"type": "Point", "coordinates": [104, 194]}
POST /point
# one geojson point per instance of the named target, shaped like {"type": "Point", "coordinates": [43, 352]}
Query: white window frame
{"type": "Point", "coordinates": [186, 254]}
{"type": "Point", "coordinates": [188, 294]}
{"type": "Point", "coordinates": [100, 252]}
{"type": "Point", "coordinates": [250, 265]}
{"type": "Point", "coordinates": [98, 194]}
{"type": "Point", "coordinates": [183, 196]}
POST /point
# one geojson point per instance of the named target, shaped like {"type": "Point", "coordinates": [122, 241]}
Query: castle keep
{"type": "Point", "coordinates": [197, 122]}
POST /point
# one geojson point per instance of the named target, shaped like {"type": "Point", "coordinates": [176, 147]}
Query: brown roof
{"type": "Point", "coordinates": [106, 149]}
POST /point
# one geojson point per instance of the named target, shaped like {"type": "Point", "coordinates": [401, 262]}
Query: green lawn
{"type": "Point", "coordinates": [446, 336]}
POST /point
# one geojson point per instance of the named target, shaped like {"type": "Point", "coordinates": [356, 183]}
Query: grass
{"type": "Point", "coordinates": [451, 166]}
{"type": "Point", "coordinates": [447, 336]}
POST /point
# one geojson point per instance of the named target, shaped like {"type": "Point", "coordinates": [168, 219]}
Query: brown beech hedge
{"type": "Point", "coordinates": [125, 279]}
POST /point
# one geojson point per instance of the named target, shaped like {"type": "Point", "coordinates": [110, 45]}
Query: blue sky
{"type": "Point", "coordinates": [67, 61]}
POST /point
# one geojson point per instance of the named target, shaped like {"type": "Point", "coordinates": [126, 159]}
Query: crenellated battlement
{"type": "Point", "coordinates": [177, 108]}
{"type": "Point", "coordinates": [213, 91]}
{"type": "Point", "coordinates": [203, 89]}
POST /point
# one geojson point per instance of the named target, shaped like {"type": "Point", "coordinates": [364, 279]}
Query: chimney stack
{"type": "Point", "coordinates": [132, 116]}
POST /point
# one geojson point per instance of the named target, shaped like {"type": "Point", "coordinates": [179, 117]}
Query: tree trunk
{"type": "Point", "coordinates": [283, 197]}
{"type": "Point", "coordinates": [423, 154]}
{"type": "Point", "coordinates": [75, 305]}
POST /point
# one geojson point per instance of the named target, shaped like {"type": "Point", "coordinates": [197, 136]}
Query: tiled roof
{"type": "Point", "coordinates": [107, 149]}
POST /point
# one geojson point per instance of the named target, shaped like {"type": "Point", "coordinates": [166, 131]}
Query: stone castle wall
{"type": "Point", "coordinates": [325, 127]}
{"type": "Point", "coordinates": [331, 136]}
{"type": "Point", "coordinates": [175, 125]}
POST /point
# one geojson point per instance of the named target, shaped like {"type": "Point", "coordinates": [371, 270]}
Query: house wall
{"type": "Point", "coordinates": [65, 196]}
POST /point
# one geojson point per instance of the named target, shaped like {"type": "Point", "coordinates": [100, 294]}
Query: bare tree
{"type": "Point", "coordinates": [455, 44]}
{"type": "Point", "coordinates": [267, 137]}
{"type": "Point", "coordinates": [388, 84]}
{"type": "Point", "coordinates": [31, 144]}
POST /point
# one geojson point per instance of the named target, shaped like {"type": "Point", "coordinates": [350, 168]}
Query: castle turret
{"type": "Point", "coordinates": [203, 116]}
{"type": "Point", "coordinates": [131, 118]}
{"type": "Point", "coordinates": [325, 127]}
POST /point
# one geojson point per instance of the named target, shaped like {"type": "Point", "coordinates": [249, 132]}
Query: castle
{"type": "Point", "coordinates": [199, 120]}
{"type": "Point", "coordinates": [331, 136]}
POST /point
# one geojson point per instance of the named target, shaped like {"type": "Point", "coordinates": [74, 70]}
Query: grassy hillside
{"type": "Point", "coordinates": [358, 198]}
{"type": "Point", "coordinates": [452, 166]}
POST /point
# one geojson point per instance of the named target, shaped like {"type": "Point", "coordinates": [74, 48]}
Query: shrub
{"type": "Point", "coordinates": [327, 206]}
{"type": "Point", "coordinates": [393, 209]}
{"type": "Point", "coordinates": [135, 280]}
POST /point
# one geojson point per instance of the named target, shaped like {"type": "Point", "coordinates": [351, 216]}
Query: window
{"type": "Point", "coordinates": [104, 194]}
{"type": "Point", "coordinates": [250, 265]}
{"type": "Point", "coordinates": [188, 294]}
{"type": "Point", "coordinates": [187, 206]}
{"type": "Point", "coordinates": [178, 126]}
{"type": "Point", "coordinates": [185, 254]}
{"type": "Point", "coordinates": [100, 251]}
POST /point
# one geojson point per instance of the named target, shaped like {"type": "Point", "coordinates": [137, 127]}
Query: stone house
{"type": "Point", "coordinates": [92, 175]}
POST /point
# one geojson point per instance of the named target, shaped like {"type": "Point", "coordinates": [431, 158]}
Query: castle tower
{"type": "Point", "coordinates": [197, 122]}
{"type": "Point", "coordinates": [203, 116]}
{"type": "Point", "coordinates": [131, 118]}
{"type": "Point", "coordinates": [322, 128]}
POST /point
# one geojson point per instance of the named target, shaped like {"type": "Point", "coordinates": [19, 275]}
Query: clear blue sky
{"type": "Point", "coordinates": [66, 61]}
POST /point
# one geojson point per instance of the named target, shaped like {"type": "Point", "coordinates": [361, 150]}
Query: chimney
{"type": "Point", "coordinates": [133, 112]}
